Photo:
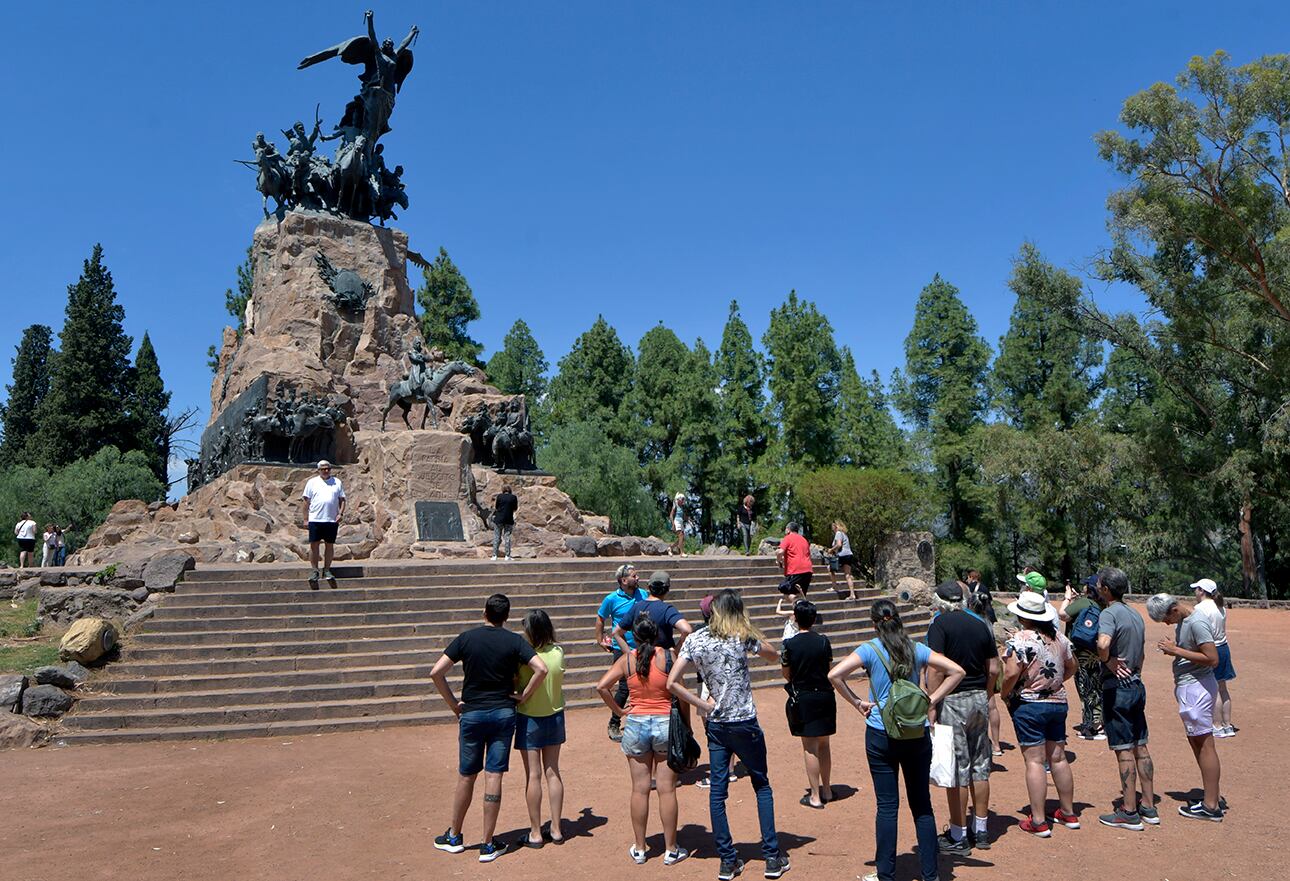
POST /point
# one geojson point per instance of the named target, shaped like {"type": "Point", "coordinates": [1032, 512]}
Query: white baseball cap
{"type": "Point", "coordinates": [1205, 584]}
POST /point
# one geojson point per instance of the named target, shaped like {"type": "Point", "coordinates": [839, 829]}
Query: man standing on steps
{"type": "Point", "coordinates": [491, 657]}
{"type": "Point", "coordinates": [794, 555]}
{"type": "Point", "coordinates": [322, 506]}
{"type": "Point", "coordinates": [672, 626]}
{"type": "Point", "coordinates": [616, 608]}
{"type": "Point", "coordinates": [504, 506]}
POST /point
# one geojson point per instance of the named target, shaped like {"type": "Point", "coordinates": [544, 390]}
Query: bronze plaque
{"type": "Point", "coordinates": [439, 521]}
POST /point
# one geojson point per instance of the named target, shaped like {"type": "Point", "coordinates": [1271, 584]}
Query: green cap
{"type": "Point", "coordinates": [1034, 581]}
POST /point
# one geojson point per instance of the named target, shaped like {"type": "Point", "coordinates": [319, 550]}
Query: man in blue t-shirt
{"type": "Point", "coordinates": [672, 626]}
{"type": "Point", "coordinates": [616, 608]}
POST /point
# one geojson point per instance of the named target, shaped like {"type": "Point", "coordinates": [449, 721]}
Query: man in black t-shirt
{"type": "Point", "coordinates": [504, 507]}
{"type": "Point", "coordinates": [490, 657]}
{"type": "Point", "coordinates": [968, 640]}
{"type": "Point", "coordinates": [672, 626]}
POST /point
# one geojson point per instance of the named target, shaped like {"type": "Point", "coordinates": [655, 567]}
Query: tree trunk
{"type": "Point", "coordinates": [1249, 563]}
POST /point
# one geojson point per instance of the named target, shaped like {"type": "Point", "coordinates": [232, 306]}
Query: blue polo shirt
{"type": "Point", "coordinates": [617, 607]}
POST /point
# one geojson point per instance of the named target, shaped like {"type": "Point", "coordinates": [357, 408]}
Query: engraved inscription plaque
{"type": "Point", "coordinates": [439, 521]}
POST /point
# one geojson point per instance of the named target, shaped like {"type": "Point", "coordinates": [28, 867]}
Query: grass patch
{"type": "Point", "coordinates": [27, 657]}
{"type": "Point", "coordinates": [18, 619]}
{"type": "Point", "coordinates": [19, 652]}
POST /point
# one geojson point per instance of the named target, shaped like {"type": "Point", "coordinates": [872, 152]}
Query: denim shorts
{"type": "Point", "coordinates": [536, 732]}
{"type": "Point", "coordinates": [643, 735]}
{"type": "Point", "coordinates": [1224, 672]}
{"type": "Point", "coordinates": [1124, 714]}
{"type": "Point", "coordinates": [1037, 722]}
{"type": "Point", "coordinates": [484, 741]}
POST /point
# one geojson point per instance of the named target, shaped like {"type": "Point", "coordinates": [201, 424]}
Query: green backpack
{"type": "Point", "coordinates": [905, 713]}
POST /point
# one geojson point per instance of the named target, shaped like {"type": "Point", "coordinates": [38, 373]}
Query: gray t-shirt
{"type": "Point", "coordinates": [1191, 633]}
{"type": "Point", "coordinates": [1128, 632]}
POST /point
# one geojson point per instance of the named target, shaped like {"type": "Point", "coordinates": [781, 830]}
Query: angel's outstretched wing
{"type": "Point", "coordinates": [402, 67]}
{"type": "Point", "coordinates": [355, 50]}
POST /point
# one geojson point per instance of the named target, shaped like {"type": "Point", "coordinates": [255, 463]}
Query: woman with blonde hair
{"type": "Point", "coordinates": [676, 517]}
{"type": "Point", "coordinates": [846, 559]}
{"type": "Point", "coordinates": [720, 653]}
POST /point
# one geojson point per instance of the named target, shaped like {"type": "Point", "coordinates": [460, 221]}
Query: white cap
{"type": "Point", "coordinates": [1205, 584]}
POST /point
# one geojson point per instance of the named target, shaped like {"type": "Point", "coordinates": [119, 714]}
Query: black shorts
{"type": "Point", "coordinates": [26, 544]}
{"type": "Point", "coordinates": [847, 560]}
{"type": "Point", "coordinates": [322, 531]}
{"type": "Point", "coordinates": [1124, 714]}
{"type": "Point", "coordinates": [801, 581]}
{"type": "Point", "coordinates": [812, 714]}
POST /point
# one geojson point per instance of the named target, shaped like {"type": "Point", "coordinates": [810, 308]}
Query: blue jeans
{"type": "Point", "coordinates": [913, 758]}
{"type": "Point", "coordinates": [745, 741]}
{"type": "Point", "coordinates": [484, 740]}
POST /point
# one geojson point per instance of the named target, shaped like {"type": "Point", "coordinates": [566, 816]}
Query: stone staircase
{"type": "Point", "coordinates": [251, 651]}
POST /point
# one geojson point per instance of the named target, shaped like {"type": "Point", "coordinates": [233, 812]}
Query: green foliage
{"type": "Point", "coordinates": [31, 371]}
{"type": "Point", "coordinates": [86, 407]}
{"type": "Point", "coordinates": [26, 658]}
{"type": "Point", "coordinates": [104, 575]}
{"type": "Point", "coordinates": [657, 407]}
{"type": "Point", "coordinates": [212, 358]}
{"type": "Point", "coordinates": [868, 436]}
{"type": "Point", "coordinates": [742, 429]}
{"type": "Point", "coordinates": [601, 476]}
{"type": "Point", "coordinates": [19, 619]}
{"type": "Point", "coordinates": [149, 402]}
{"type": "Point", "coordinates": [235, 303]}
{"type": "Point", "coordinates": [447, 306]}
{"type": "Point", "coordinates": [593, 380]}
{"type": "Point", "coordinates": [78, 495]}
{"type": "Point", "coordinates": [872, 502]}
{"type": "Point", "coordinates": [519, 367]}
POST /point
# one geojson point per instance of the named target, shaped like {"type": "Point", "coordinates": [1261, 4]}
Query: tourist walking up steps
{"type": "Point", "coordinates": [1195, 659]}
{"type": "Point", "coordinates": [539, 729]}
{"type": "Point", "coordinates": [24, 531]}
{"type": "Point", "coordinates": [846, 559]}
{"type": "Point", "coordinates": [794, 556]}
{"type": "Point", "coordinates": [811, 707]}
{"type": "Point", "coordinates": [491, 657]}
{"type": "Point", "coordinates": [1209, 601]}
{"type": "Point", "coordinates": [897, 734]}
{"type": "Point", "coordinates": [1037, 663]}
{"type": "Point", "coordinates": [648, 714]}
{"type": "Point", "coordinates": [745, 521]}
{"type": "Point", "coordinates": [616, 609]}
{"type": "Point", "coordinates": [504, 507]}
{"type": "Point", "coordinates": [720, 654]}
{"type": "Point", "coordinates": [322, 506]}
{"type": "Point", "coordinates": [968, 640]}
{"type": "Point", "coordinates": [1120, 645]}
{"type": "Point", "coordinates": [1081, 616]}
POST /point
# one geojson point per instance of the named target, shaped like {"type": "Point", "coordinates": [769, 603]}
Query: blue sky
{"type": "Point", "coordinates": [647, 161]}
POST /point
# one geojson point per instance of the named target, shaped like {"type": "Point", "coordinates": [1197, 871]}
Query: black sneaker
{"type": "Point", "coordinates": [729, 869]}
{"type": "Point", "coordinates": [1198, 811]}
{"type": "Point", "coordinates": [491, 850]}
{"type": "Point", "coordinates": [947, 844]}
{"type": "Point", "coordinates": [449, 842]}
{"type": "Point", "coordinates": [776, 866]}
{"type": "Point", "coordinates": [978, 840]}
{"type": "Point", "coordinates": [616, 730]}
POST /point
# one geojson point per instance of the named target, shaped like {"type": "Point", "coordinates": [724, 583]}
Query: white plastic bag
{"type": "Point", "coordinates": [942, 756]}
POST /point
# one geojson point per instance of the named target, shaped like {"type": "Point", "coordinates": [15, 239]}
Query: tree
{"type": "Point", "coordinates": [942, 392]}
{"type": "Point", "coordinates": [236, 303]}
{"type": "Point", "coordinates": [31, 370]}
{"type": "Point", "coordinates": [741, 427]}
{"type": "Point", "coordinates": [1046, 372]}
{"type": "Point", "coordinates": [519, 367]}
{"type": "Point", "coordinates": [447, 306]}
{"type": "Point", "coordinates": [86, 408]}
{"type": "Point", "coordinates": [149, 405]}
{"type": "Point", "coordinates": [698, 448]}
{"type": "Point", "coordinates": [592, 381]}
{"type": "Point", "coordinates": [657, 407]}
{"type": "Point", "coordinates": [601, 476]}
{"type": "Point", "coordinates": [868, 436]}
{"type": "Point", "coordinates": [873, 503]}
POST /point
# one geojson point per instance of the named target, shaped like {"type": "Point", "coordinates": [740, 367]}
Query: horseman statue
{"type": "Point", "coordinates": [416, 386]}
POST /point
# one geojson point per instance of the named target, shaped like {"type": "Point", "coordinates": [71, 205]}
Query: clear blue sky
{"type": "Point", "coordinates": [649, 161]}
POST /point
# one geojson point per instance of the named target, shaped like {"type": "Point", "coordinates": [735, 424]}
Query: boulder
{"type": "Point", "coordinates": [767, 547]}
{"type": "Point", "coordinates": [127, 584]}
{"type": "Point", "coordinates": [27, 589]}
{"type": "Point", "coordinates": [715, 551]}
{"type": "Point", "coordinates": [19, 731]}
{"type": "Point", "coordinates": [654, 547]}
{"type": "Point", "coordinates": [46, 700]}
{"type": "Point", "coordinates": [905, 555]}
{"type": "Point", "coordinates": [68, 675]}
{"type": "Point", "coordinates": [581, 545]}
{"type": "Point", "coordinates": [12, 686]}
{"type": "Point", "coordinates": [188, 538]}
{"type": "Point", "coordinates": [619, 546]}
{"type": "Point", "coordinates": [52, 578]}
{"type": "Point", "coordinates": [87, 640]}
{"type": "Point", "coordinates": [913, 590]}
{"type": "Point", "coordinates": [139, 594]}
{"type": "Point", "coordinates": [8, 577]}
{"type": "Point", "coordinates": [144, 613]}
{"type": "Point", "coordinates": [165, 569]}
{"type": "Point", "coordinates": [63, 605]}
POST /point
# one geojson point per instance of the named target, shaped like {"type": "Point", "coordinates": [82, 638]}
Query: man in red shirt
{"type": "Point", "coordinates": [794, 555]}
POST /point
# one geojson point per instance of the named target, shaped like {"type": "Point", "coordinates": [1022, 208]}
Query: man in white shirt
{"type": "Point", "coordinates": [25, 531]}
{"type": "Point", "coordinates": [322, 506]}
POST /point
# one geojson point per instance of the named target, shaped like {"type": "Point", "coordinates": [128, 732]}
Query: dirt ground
{"type": "Point", "coordinates": [367, 805]}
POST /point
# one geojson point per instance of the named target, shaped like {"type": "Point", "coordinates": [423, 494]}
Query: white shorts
{"type": "Point", "coordinates": [1196, 705]}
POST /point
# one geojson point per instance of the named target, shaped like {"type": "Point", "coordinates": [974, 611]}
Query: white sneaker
{"type": "Point", "coordinates": [638, 856]}
{"type": "Point", "coordinates": [1224, 731]}
{"type": "Point", "coordinates": [493, 557]}
{"type": "Point", "coordinates": [672, 857]}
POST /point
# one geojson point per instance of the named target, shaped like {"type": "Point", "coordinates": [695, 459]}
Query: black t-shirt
{"type": "Point", "coordinates": [490, 657]}
{"type": "Point", "coordinates": [808, 657]}
{"type": "Point", "coordinates": [663, 614]}
{"type": "Point", "coordinates": [967, 641]}
{"type": "Point", "coordinates": [745, 515]}
{"type": "Point", "coordinates": [504, 509]}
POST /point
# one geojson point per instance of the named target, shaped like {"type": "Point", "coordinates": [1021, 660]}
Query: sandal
{"type": "Point", "coordinates": [806, 802]}
{"type": "Point", "coordinates": [528, 842]}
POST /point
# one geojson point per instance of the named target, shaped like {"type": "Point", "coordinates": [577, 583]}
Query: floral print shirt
{"type": "Point", "coordinates": [1043, 666]}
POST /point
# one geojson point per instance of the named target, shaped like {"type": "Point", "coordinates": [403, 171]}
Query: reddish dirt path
{"type": "Point", "coordinates": [354, 806]}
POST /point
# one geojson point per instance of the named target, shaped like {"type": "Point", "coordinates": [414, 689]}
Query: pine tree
{"type": "Point", "coordinates": [592, 381]}
{"type": "Point", "coordinates": [31, 371]}
{"type": "Point", "coordinates": [942, 392]}
{"type": "Point", "coordinates": [519, 367]}
{"type": "Point", "coordinates": [868, 436]}
{"type": "Point", "coordinates": [149, 403]}
{"type": "Point", "coordinates": [657, 406]}
{"type": "Point", "coordinates": [447, 306]}
{"type": "Point", "coordinates": [236, 303]}
{"type": "Point", "coordinates": [698, 447]}
{"type": "Point", "coordinates": [90, 388]}
{"type": "Point", "coordinates": [1046, 372]}
{"type": "Point", "coordinates": [741, 409]}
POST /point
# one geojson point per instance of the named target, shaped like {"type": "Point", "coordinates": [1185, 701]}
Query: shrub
{"type": "Point", "coordinates": [601, 477]}
{"type": "Point", "coordinates": [872, 502]}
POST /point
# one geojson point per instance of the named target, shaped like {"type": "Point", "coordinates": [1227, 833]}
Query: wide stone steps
{"type": "Point", "coordinates": [254, 651]}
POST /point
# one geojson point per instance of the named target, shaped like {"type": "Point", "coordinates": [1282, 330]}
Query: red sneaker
{"type": "Point", "coordinates": [1039, 830]}
{"type": "Point", "coordinates": [1070, 821]}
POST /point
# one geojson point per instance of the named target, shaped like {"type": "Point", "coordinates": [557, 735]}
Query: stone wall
{"type": "Point", "coordinates": [906, 555]}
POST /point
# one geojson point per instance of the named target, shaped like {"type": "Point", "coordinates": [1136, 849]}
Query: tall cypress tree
{"type": "Point", "coordinates": [868, 436]}
{"type": "Point", "coordinates": [741, 408]}
{"type": "Point", "coordinates": [698, 447]}
{"type": "Point", "coordinates": [31, 371]}
{"type": "Point", "coordinates": [86, 408]}
{"type": "Point", "coordinates": [657, 406]}
{"type": "Point", "coordinates": [149, 402]}
{"type": "Point", "coordinates": [519, 367]}
{"type": "Point", "coordinates": [592, 381]}
{"type": "Point", "coordinates": [448, 305]}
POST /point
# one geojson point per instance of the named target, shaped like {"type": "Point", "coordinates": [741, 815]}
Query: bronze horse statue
{"type": "Point", "coordinates": [404, 394]}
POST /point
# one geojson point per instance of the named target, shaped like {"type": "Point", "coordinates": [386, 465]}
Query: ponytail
{"type": "Point", "coordinates": [1217, 597]}
{"type": "Point", "coordinates": [645, 632]}
{"type": "Point", "coordinates": [891, 633]}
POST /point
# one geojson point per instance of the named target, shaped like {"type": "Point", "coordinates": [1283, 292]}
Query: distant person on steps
{"type": "Point", "coordinates": [746, 523]}
{"type": "Point", "coordinates": [504, 507]}
{"type": "Point", "coordinates": [322, 505]}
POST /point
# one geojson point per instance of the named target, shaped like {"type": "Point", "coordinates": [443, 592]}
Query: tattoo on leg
{"type": "Point", "coordinates": [1146, 769]}
{"type": "Point", "coordinates": [1128, 777]}
{"type": "Point", "coordinates": [490, 797]}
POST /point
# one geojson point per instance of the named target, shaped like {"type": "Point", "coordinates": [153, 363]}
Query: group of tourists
{"type": "Point", "coordinates": [928, 711]}
{"type": "Point", "coordinates": [53, 542]}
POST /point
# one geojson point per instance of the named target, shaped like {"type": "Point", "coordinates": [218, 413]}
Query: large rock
{"type": "Point", "coordinates": [581, 545]}
{"type": "Point", "coordinates": [767, 547]}
{"type": "Point", "coordinates": [619, 546]}
{"type": "Point", "coordinates": [19, 731]}
{"type": "Point", "coordinates": [61, 606]}
{"type": "Point", "coordinates": [46, 700]}
{"type": "Point", "coordinates": [12, 685]}
{"type": "Point", "coordinates": [87, 640]}
{"type": "Point", "coordinates": [164, 570]}
{"type": "Point", "coordinates": [654, 547]}
{"type": "Point", "coordinates": [27, 589]}
{"type": "Point", "coordinates": [913, 590]}
{"type": "Point", "coordinates": [69, 675]}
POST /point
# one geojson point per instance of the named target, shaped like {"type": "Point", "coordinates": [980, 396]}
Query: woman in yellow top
{"type": "Point", "coordinates": [539, 730]}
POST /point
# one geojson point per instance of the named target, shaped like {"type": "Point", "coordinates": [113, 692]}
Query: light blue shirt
{"type": "Point", "coordinates": [879, 681]}
{"type": "Point", "coordinates": [617, 607]}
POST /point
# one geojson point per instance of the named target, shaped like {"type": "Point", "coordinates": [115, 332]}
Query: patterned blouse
{"type": "Point", "coordinates": [1044, 664]}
